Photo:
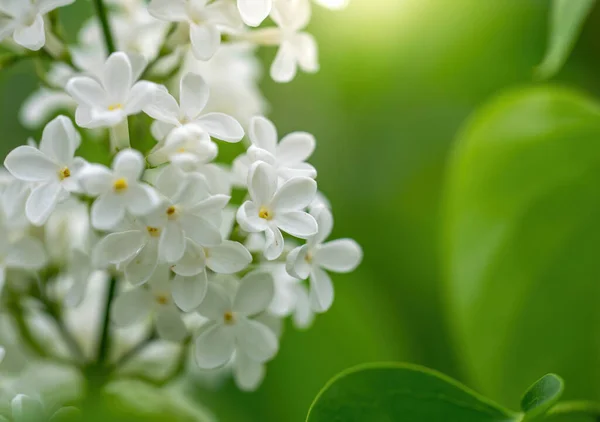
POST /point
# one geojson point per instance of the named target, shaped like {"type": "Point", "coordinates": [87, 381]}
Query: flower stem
{"type": "Point", "coordinates": [105, 338]}
{"type": "Point", "coordinates": [119, 136]}
{"type": "Point", "coordinates": [576, 408]}
{"type": "Point", "coordinates": [103, 17]}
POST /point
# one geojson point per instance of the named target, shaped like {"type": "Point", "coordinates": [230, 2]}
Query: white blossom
{"type": "Point", "coordinates": [108, 100]}
{"type": "Point", "coordinates": [24, 20]}
{"type": "Point", "coordinates": [272, 209]}
{"type": "Point", "coordinates": [315, 257]}
{"type": "Point", "coordinates": [231, 324]}
{"type": "Point", "coordinates": [288, 156]}
{"type": "Point", "coordinates": [205, 18]}
{"type": "Point", "coordinates": [118, 190]}
{"type": "Point", "coordinates": [53, 168]}
{"type": "Point", "coordinates": [194, 94]}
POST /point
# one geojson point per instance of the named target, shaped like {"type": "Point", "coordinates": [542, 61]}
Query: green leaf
{"type": "Point", "coordinates": [522, 230]}
{"type": "Point", "coordinates": [129, 400]}
{"type": "Point", "coordinates": [566, 20]}
{"type": "Point", "coordinates": [541, 396]}
{"type": "Point", "coordinates": [399, 392]}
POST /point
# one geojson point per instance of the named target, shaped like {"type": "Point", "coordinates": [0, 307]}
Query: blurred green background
{"type": "Point", "coordinates": [398, 80]}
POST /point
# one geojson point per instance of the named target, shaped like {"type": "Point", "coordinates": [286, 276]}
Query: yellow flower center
{"type": "Point", "coordinates": [153, 231]}
{"type": "Point", "coordinates": [120, 185]}
{"type": "Point", "coordinates": [309, 257]}
{"type": "Point", "coordinates": [229, 317]}
{"type": "Point", "coordinates": [64, 173]}
{"type": "Point", "coordinates": [172, 212]}
{"type": "Point", "coordinates": [265, 213]}
{"type": "Point", "coordinates": [114, 107]}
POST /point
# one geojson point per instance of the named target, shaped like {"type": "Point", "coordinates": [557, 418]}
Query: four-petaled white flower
{"type": "Point", "coordinates": [231, 326]}
{"type": "Point", "coordinates": [296, 48]}
{"type": "Point", "coordinates": [154, 299]}
{"type": "Point", "coordinates": [288, 157]}
{"type": "Point", "coordinates": [118, 190]}
{"type": "Point", "coordinates": [24, 20]}
{"type": "Point", "coordinates": [312, 259]}
{"type": "Point", "coordinates": [206, 20]}
{"type": "Point", "coordinates": [272, 209]}
{"type": "Point", "coordinates": [107, 101]}
{"type": "Point", "coordinates": [194, 94]}
{"type": "Point", "coordinates": [53, 168]}
{"type": "Point", "coordinates": [187, 210]}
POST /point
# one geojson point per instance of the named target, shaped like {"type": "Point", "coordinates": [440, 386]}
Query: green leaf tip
{"type": "Point", "coordinates": [542, 396]}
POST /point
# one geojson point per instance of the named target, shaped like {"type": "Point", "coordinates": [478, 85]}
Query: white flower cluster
{"type": "Point", "coordinates": [182, 259]}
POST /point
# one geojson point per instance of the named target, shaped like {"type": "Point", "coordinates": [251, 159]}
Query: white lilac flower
{"type": "Point", "coordinates": [290, 298]}
{"type": "Point", "coordinates": [24, 20]}
{"type": "Point", "coordinates": [53, 168]}
{"type": "Point", "coordinates": [206, 20]}
{"type": "Point", "coordinates": [296, 48]}
{"type": "Point", "coordinates": [231, 325]}
{"type": "Point", "coordinates": [108, 100]}
{"type": "Point", "coordinates": [187, 210]}
{"type": "Point", "coordinates": [187, 147]}
{"type": "Point", "coordinates": [272, 208]}
{"type": "Point", "coordinates": [194, 94]}
{"type": "Point", "coordinates": [254, 12]}
{"type": "Point", "coordinates": [312, 259]}
{"type": "Point", "coordinates": [155, 300]}
{"type": "Point", "coordinates": [118, 190]}
{"type": "Point", "coordinates": [288, 156]}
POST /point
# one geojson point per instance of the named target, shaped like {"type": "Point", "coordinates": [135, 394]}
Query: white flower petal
{"type": "Point", "coordinates": [340, 256]}
{"type": "Point", "coordinates": [214, 347]}
{"type": "Point", "coordinates": [30, 165]}
{"type": "Point", "coordinates": [205, 40]}
{"type": "Point", "coordinates": [262, 183]}
{"type": "Point", "coordinates": [140, 96]}
{"type": "Point", "coordinates": [254, 294]}
{"type": "Point", "coordinates": [132, 306]}
{"type": "Point", "coordinates": [248, 374]}
{"type": "Point", "coordinates": [221, 126]}
{"type": "Point", "coordinates": [142, 199]}
{"type": "Point", "coordinates": [28, 253]}
{"type": "Point", "coordinates": [143, 266]}
{"type": "Point", "coordinates": [325, 222]}
{"type": "Point", "coordinates": [87, 91]}
{"type": "Point", "coordinates": [333, 4]}
{"type": "Point", "coordinates": [303, 315]}
{"type": "Point", "coordinates": [321, 290]}
{"type": "Point", "coordinates": [107, 211]}
{"type": "Point", "coordinates": [42, 201]}
{"type": "Point", "coordinates": [189, 292]}
{"type": "Point", "coordinates": [254, 12]}
{"type": "Point", "coordinates": [215, 203]}
{"type": "Point", "coordinates": [285, 65]}
{"type": "Point", "coordinates": [119, 247]}
{"type": "Point", "coordinates": [117, 77]}
{"type": "Point", "coordinates": [194, 94]}
{"type": "Point", "coordinates": [163, 107]}
{"type": "Point", "coordinates": [168, 10]}
{"type": "Point", "coordinates": [201, 231]}
{"type": "Point", "coordinates": [297, 223]}
{"type": "Point", "coordinates": [32, 36]}
{"type": "Point", "coordinates": [247, 217]}
{"type": "Point", "coordinates": [274, 243]}
{"type": "Point", "coordinates": [307, 52]}
{"type": "Point", "coordinates": [263, 134]}
{"type": "Point", "coordinates": [96, 179]}
{"type": "Point", "coordinates": [129, 164]}
{"type": "Point", "coordinates": [295, 194]}
{"type": "Point", "coordinates": [172, 243]}
{"type": "Point", "coordinates": [228, 258]}
{"type": "Point", "coordinates": [60, 140]}
{"type": "Point", "coordinates": [216, 303]}
{"type": "Point", "coordinates": [256, 340]}
{"type": "Point", "coordinates": [297, 264]}
{"type": "Point", "coordinates": [170, 326]}
{"type": "Point", "coordinates": [297, 170]}
{"type": "Point", "coordinates": [193, 261]}
{"type": "Point", "coordinates": [296, 147]}
{"type": "Point", "coordinates": [45, 6]}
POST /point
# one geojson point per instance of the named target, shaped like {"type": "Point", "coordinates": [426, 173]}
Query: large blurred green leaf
{"type": "Point", "coordinates": [398, 392]}
{"type": "Point", "coordinates": [566, 20]}
{"type": "Point", "coordinates": [521, 242]}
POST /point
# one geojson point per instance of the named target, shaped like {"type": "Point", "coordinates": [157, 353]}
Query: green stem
{"type": "Point", "coordinates": [68, 338]}
{"type": "Point", "coordinates": [103, 16]}
{"type": "Point", "coordinates": [134, 351]}
{"type": "Point", "coordinates": [576, 408]}
{"type": "Point", "coordinates": [105, 339]}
